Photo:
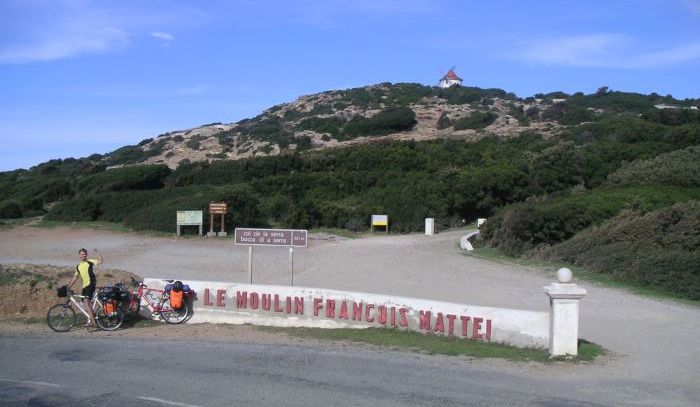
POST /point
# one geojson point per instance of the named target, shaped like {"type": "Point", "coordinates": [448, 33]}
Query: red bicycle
{"type": "Point", "coordinates": [158, 302]}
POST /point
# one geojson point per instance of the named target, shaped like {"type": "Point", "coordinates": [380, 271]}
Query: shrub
{"type": "Point", "coordinates": [443, 121]}
{"type": "Point", "coordinates": [660, 249]}
{"type": "Point", "coordinates": [477, 120]}
{"type": "Point", "coordinates": [547, 221]}
{"type": "Point", "coordinates": [126, 178]}
{"type": "Point", "coordinates": [193, 144]}
{"type": "Point", "coordinates": [303, 143]}
{"type": "Point", "coordinates": [126, 155]}
{"type": "Point", "coordinates": [321, 125]}
{"type": "Point", "coordinates": [10, 209]}
{"type": "Point", "coordinates": [387, 121]}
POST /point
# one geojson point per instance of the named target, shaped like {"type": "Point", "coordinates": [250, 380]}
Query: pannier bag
{"type": "Point", "coordinates": [176, 295]}
{"type": "Point", "coordinates": [110, 308]}
{"type": "Point", "coordinates": [110, 292]}
{"type": "Point", "coordinates": [122, 293]}
{"type": "Point", "coordinates": [62, 291]}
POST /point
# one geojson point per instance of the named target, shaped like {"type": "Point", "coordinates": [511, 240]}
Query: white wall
{"type": "Point", "coordinates": [220, 302]}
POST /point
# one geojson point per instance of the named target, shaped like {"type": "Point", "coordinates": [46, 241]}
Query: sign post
{"type": "Point", "coordinates": [216, 208]}
{"type": "Point", "coordinates": [271, 237]}
{"type": "Point", "coordinates": [291, 266]}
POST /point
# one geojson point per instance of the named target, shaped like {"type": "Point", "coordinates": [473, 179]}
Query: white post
{"type": "Point", "coordinates": [250, 264]}
{"type": "Point", "coordinates": [291, 266]}
{"type": "Point", "coordinates": [563, 314]}
{"type": "Point", "coordinates": [429, 226]}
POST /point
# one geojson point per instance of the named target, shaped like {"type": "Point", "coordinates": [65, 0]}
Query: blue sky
{"type": "Point", "coordinates": [82, 77]}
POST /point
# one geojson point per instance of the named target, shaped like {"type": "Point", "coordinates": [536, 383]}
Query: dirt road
{"type": "Point", "coordinates": [651, 341]}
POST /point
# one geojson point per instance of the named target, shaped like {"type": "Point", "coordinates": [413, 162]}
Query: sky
{"type": "Point", "coordinates": [80, 77]}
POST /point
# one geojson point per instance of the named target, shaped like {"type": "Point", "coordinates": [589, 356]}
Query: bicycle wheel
{"type": "Point", "coordinates": [174, 316]}
{"type": "Point", "coordinates": [109, 322]}
{"type": "Point", "coordinates": [61, 317]}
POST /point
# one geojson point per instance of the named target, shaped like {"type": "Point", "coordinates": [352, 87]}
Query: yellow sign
{"type": "Point", "coordinates": [380, 220]}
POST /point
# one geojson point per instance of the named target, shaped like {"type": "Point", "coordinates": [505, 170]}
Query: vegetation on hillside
{"type": "Point", "coordinates": [617, 163]}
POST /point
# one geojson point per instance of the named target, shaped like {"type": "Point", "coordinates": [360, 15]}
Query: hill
{"type": "Point", "coordinates": [543, 169]}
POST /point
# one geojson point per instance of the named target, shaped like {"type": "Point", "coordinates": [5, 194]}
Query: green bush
{"type": "Point", "coordinates": [387, 121]}
{"type": "Point", "coordinates": [10, 209]}
{"type": "Point", "coordinates": [126, 178]}
{"type": "Point", "coordinates": [476, 120]}
{"type": "Point", "coordinates": [460, 95]}
{"type": "Point", "coordinates": [303, 143]}
{"type": "Point", "coordinates": [679, 168]}
{"type": "Point", "coordinates": [126, 155]}
{"type": "Point", "coordinates": [659, 249]}
{"type": "Point", "coordinates": [193, 144]}
{"type": "Point", "coordinates": [321, 125]}
{"type": "Point", "coordinates": [523, 226]}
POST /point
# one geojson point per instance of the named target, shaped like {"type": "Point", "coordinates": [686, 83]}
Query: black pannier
{"type": "Point", "coordinates": [108, 293]}
{"type": "Point", "coordinates": [122, 293]}
{"type": "Point", "coordinates": [62, 291]}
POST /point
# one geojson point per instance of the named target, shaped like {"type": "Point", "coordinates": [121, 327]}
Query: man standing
{"type": "Point", "coordinates": [85, 271]}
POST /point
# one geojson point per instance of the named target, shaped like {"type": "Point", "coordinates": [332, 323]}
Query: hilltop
{"type": "Point", "coordinates": [385, 112]}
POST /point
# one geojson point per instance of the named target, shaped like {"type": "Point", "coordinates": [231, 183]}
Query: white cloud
{"type": "Point", "coordinates": [602, 51]}
{"type": "Point", "coordinates": [50, 30]}
{"type": "Point", "coordinates": [167, 38]}
{"type": "Point", "coordinates": [66, 44]}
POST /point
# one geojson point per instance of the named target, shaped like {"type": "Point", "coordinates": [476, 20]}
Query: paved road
{"type": "Point", "coordinates": [652, 343]}
{"type": "Point", "coordinates": [60, 370]}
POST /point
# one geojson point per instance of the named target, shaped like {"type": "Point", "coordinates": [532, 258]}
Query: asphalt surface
{"type": "Point", "coordinates": [66, 371]}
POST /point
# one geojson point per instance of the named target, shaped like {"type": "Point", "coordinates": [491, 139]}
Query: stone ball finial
{"type": "Point", "coordinates": [564, 275]}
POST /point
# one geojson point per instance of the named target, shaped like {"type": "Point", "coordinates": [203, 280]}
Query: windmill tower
{"type": "Point", "coordinates": [450, 79]}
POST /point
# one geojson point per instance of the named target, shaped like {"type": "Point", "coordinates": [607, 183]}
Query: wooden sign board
{"type": "Point", "coordinates": [218, 208]}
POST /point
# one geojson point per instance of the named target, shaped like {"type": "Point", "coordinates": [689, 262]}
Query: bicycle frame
{"type": "Point", "coordinates": [79, 304]}
{"type": "Point", "coordinates": [155, 308]}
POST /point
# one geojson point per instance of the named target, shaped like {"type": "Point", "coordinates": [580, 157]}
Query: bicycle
{"type": "Point", "coordinates": [158, 302]}
{"type": "Point", "coordinates": [62, 317]}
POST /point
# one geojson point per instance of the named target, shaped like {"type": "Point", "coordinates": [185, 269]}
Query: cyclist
{"type": "Point", "coordinates": [85, 271]}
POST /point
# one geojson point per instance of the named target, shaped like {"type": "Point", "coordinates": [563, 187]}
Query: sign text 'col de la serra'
{"type": "Point", "coordinates": [271, 237]}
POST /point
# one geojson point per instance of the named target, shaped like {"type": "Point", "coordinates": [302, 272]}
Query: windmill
{"type": "Point", "coordinates": [450, 79]}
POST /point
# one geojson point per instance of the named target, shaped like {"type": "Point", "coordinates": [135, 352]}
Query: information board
{"type": "Point", "coordinates": [189, 218]}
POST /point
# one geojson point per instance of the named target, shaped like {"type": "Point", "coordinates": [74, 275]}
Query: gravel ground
{"type": "Point", "coordinates": [649, 340]}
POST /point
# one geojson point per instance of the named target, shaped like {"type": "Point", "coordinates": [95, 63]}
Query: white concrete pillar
{"type": "Point", "coordinates": [563, 314]}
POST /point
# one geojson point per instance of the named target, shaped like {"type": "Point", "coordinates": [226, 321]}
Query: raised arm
{"type": "Point", "coordinates": [99, 256]}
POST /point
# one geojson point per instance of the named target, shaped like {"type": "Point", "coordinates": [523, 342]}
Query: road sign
{"type": "Point", "coordinates": [271, 237]}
